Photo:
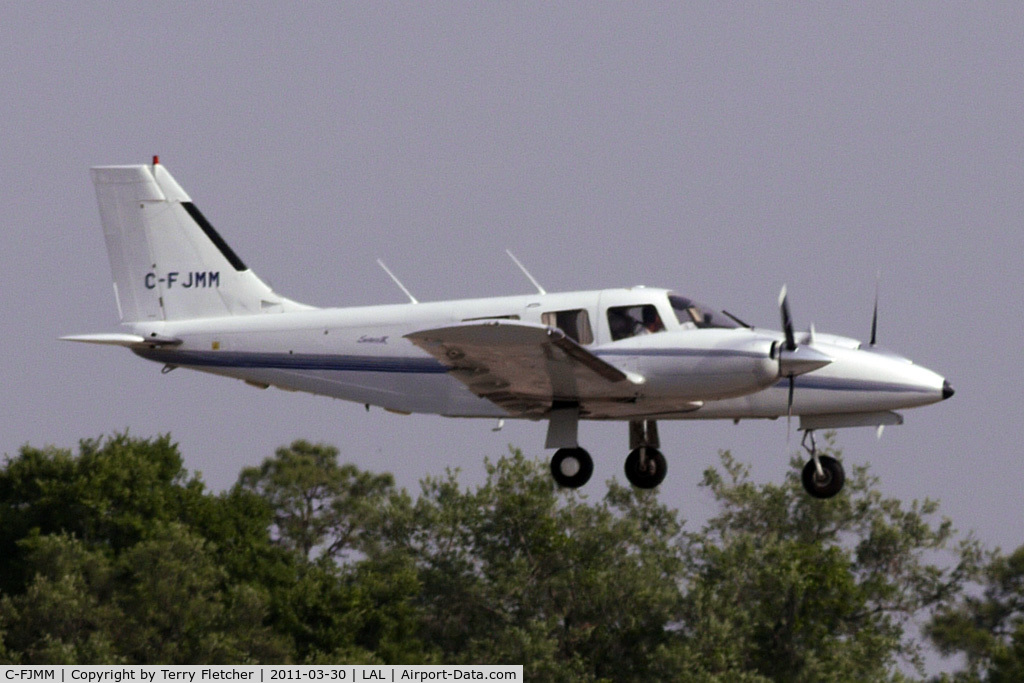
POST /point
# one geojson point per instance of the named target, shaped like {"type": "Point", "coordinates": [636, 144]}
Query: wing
{"type": "Point", "coordinates": [525, 368]}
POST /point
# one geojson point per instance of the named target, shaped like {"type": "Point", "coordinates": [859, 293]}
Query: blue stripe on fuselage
{"type": "Point", "coordinates": [846, 384]}
{"type": "Point", "coordinates": [292, 361]}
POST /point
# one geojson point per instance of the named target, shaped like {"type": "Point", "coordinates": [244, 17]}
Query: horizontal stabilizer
{"type": "Point", "coordinates": [119, 339]}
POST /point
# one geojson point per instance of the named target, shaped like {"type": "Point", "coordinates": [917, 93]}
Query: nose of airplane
{"type": "Point", "coordinates": [947, 390]}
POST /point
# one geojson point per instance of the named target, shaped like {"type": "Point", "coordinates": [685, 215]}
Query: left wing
{"type": "Point", "coordinates": [525, 368]}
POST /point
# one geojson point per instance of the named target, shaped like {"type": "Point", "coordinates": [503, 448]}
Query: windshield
{"type": "Point", "coordinates": [689, 311]}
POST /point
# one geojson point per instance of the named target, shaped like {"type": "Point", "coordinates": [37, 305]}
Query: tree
{"type": "Point", "coordinates": [110, 493]}
{"type": "Point", "coordinates": [183, 608]}
{"type": "Point", "coordinates": [118, 555]}
{"type": "Point", "coordinates": [794, 588]}
{"type": "Point", "coordinates": [320, 507]}
{"type": "Point", "coordinates": [776, 586]}
{"type": "Point", "coordinates": [341, 605]}
{"type": "Point", "coordinates": [92, 543]}
{"type": "Point", "coordinates": [987, 628]}
{"type": "Point", "coordinates": [163, 600]}
{"type": "Point", "coordinates": [518, 571]}
{"type": "Point", "coordinates": [65, 615]}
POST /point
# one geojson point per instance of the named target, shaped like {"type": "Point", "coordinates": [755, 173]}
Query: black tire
{"type": "Point", "coordinates": [646, 467]}
{"type": "Point", "coordinates": [830, 484]}
{"type": "Point", "coordinates": [571, 467]}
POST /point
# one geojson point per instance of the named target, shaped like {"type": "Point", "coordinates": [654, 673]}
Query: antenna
{"type": "Point", "coordinates": [874, 316]}
{"type": "Point", "coordinates": [525, 272]}
{"type": "Point", "coordinates": [398, 282]}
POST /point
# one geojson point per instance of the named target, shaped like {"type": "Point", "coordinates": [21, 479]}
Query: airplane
{"type": "Point", "coordinates": [635, 354]}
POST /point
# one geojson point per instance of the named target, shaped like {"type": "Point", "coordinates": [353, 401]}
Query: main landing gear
{"type": "Point", "coordinates": [823, 476]}
{"type": "Point", "coordinates": [646, 467]}
{"type": "Point", "coordinates": [571, 467]}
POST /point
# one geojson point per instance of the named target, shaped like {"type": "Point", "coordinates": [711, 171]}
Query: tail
{"type": "Point", "coordinates": [167, 260]}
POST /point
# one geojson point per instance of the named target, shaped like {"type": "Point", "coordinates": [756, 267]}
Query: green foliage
{"type": "Point", "coordinates": [323, 513]}
{"type": "Point", "coordinates": [65, 615]}
{"type": "Point", "coordinates": [815, 590]}
{"type": "Point", "coordinates": [517, 571]}
{"type": "Point", "coordinates": [161, 600]}
{"type": "Point", "coordinates": [319, 506]}
{"type": "Point", "coordinates": [111, 493]}
{"type": "Point", "coordinates": [116, 554]}
{"type": "Point", "coordinates": [987, 628]}
{"type": "Point", "coordinates": [183, 607]}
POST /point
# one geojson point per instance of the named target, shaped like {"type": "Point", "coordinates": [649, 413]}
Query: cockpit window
{"type": "Point", "coordinates": [630, 321]}
{"type": "Point", "coordinates": [689, 311]}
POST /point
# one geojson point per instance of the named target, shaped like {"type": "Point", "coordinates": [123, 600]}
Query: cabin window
{"type": "Point", "coordinates": [575, 323]}
{"type": "Point", "coordinates": [630, 321]}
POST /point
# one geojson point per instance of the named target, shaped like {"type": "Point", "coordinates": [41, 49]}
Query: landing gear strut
{"type": "Point", "coordinates": [823, 476]}
{"type": "Point", "coordinates": [571, 467]}
{"type": "Point", "coordinates": [645, 465]}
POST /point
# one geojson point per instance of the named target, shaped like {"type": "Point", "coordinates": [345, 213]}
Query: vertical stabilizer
{"type": "Point", "coordinates": [167, 260]}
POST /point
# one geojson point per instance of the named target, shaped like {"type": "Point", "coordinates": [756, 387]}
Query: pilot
{"type": "Point", "coordinates": [652, 321]}
{"type": "Point", "coordinates": [621, 324]}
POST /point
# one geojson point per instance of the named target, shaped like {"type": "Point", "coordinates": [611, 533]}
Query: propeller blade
{"type": "Point", "coordinates": [789, 407]}
{"type": "Point", "coordinates": [787, 320]}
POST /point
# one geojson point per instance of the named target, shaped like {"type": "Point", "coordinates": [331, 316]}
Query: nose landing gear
{"type": "Point", "coordinates": [822, 476]}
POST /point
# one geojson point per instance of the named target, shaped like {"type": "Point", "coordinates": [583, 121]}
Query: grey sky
{"type": "Point", "coordinates": [720, 149]}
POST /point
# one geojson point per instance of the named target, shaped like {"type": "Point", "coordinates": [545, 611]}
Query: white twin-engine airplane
{"type": "Point", "coordinates": [638, 355]}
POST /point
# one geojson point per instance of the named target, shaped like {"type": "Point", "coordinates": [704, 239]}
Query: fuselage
{"type": "Point", "coordinates": [693, 365]}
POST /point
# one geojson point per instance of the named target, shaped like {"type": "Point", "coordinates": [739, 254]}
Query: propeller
{"type": "Point", "coordinates": [796, 359]}
{"type": "Point", "coordinates": [787, 319]}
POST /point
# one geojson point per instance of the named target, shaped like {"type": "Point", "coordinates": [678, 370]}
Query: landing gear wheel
{"type": "Point", "coordinates": [645, 467]}
{"type": "Point", "coordinates": [571, 467]}
{"type": "Point", "coordinates": [829, 482]}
